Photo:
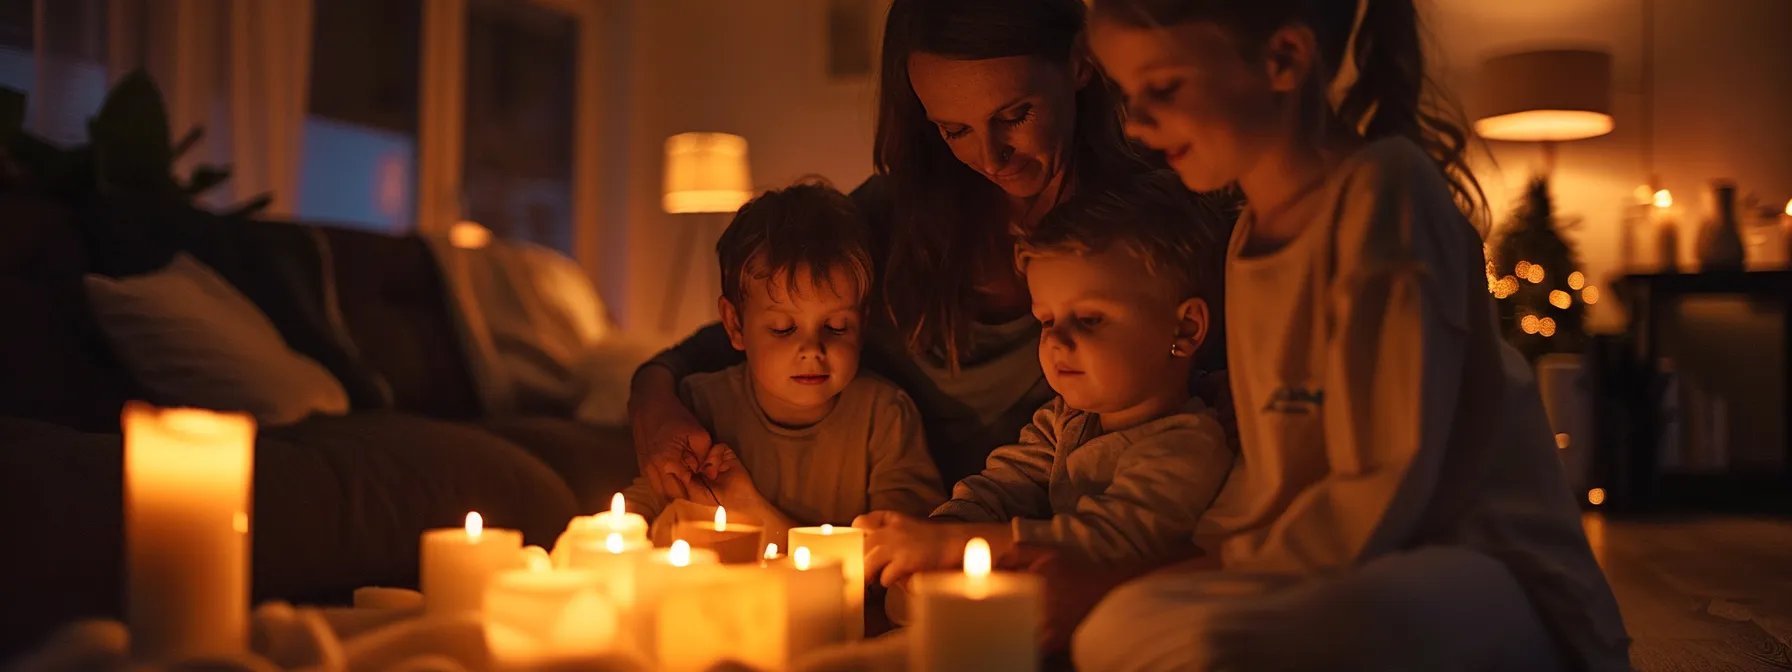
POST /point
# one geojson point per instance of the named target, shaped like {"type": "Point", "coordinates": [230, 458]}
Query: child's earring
{"type": "Point", "coordinates": [1176, 345]}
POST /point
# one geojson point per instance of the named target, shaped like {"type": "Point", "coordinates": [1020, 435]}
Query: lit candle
{"type": "Point", "coordinates": [975, 619]}
{"type": "Point", "coordinates": [845, 545]}
{"type": "Point", "coordinates": [458, 561]}
{"type": "Point", "coordinates": [615, 561]}
{"type": "Point", "coordinates": [594, 529]}
{"type": "Point", "coordinates": [727, 614]}
{"type": "Point", "coordinates": [733, 542]}
{"type": "Point", "coordinates": [655, 575]}
{"type": "Point", "coordinates": [186, 510]}
{"type": "Point", "coordinates": [815, 606]}
{"type": "Point", "coordinates": [548, 619]}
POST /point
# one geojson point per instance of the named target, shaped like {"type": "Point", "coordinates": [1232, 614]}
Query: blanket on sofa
{"type": "Point", "coordinates": [535, 331]}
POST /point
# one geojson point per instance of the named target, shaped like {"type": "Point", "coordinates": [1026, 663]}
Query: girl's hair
{"type": "Point", "coordinates": [947, 217]}
{"type": "Point", "coordinates": [1391, 96]}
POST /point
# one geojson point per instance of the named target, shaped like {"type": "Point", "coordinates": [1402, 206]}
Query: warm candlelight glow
{"type": "Point", "coordinates": [613, 543]}
{"type": "Point", "coordinates": [1789, 207]}
{"type": "Point", "coordinates": [617, 509]}
{"type": "Point", "coordinates": [469, 235]}
{"type": "Point", "coordinates": [976, 558]}
{"type": "Point", "coordinates": [1562, 440]}
{"type": "Point", "coordinates": [1596, 496]}
{"type": "Point", "coordinates": [721, 519]}
{"type": "Point", "coordinates": [771, 551]}
{"type": "Point", "coordinates": [680, 554]}
{"type": "Point", "coordinates": [1663, 199]}
{"type": "Point", "coordinates": [535, 559]}
{"type": "Point", "coordinates": [827, 529]}
{"type": "Point", "coordinates": [475, 525]}
{"type": "Point", "coordinates": [800, 557]}
{"type": "Point", "coordinates": [1643, 194]}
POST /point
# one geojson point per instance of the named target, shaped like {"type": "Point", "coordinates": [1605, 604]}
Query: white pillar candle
{"type": "Point", "coordinates": [458, 561]}
{"type": "Point", "coordinates": [814, 602]}
{"type": "Point", "coordinates": [847, 546]}
{"type": "Point", "coordinates": [548, 619]}
{"type": "Point", "coordinates": [187, 474]}
{"type": "Point", "coordinates": [724, 614]}
{"type": "Point", "coordinates": [595, 529]}
{"type": "Point", "coordinates": [975, 619]}
{"type": "Point", "coordinates": [733, 542]}
{"type": "Point", "coordinates": [616, 563]}
{"type": "Point", "coordinates": [658, 573]}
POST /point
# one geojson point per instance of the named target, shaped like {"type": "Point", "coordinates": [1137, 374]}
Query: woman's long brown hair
{"type": "Point", "coordinates": [948, 216]}
{"type": "Point", "coordinates": [1391, 97]}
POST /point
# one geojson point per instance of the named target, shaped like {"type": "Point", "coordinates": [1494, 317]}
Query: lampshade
{"type": "Point", "coordinates": [1538, 96]}
{"type": "Point", "coordinates": [706, 172]}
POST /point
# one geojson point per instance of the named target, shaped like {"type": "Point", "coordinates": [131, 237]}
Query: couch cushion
{"type": "Point", "coordinates": [279, 266]}
{"type": "Point", "coordinates": [54, 366]}
{"type": "Point", "coordinates": [596, 461]}
{"type": "Point", "coordinates": [395, 308]}
{"type": "Point", "coordinates": [339, 504]}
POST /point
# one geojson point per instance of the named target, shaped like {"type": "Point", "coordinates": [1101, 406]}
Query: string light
{"type": "Point", "coordinates": [1536, 275]}
{"type": "Point", "coordinates": [1562, 440]}
{"type": "Point", "coordinates": [1596, 496]}
{"type": "Point", "coordinates": [1528, 323]}
{"type": "Point", "coordinates": [1576, 281]}
{"type": "Point", "coordinates": [1522, 269]}
{"type": "Point", "coordinates": [1546, 327]}
{"type": "Point", "coordinates": [1590, 295]}
{"type": "Point", "coordinates": [1507, 286]}
{"type": "Point", "coordinates": [1560, 299]}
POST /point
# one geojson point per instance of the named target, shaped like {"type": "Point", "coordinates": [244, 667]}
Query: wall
{"type": "Point", "coordinates": [757, 69]}
{"type": "Point", "coordinates": [1722, 100]}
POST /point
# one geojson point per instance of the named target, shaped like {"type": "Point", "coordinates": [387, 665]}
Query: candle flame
{"type": "Point", "coordinates": [721, 519]}
{"type": "Point", "coordinates": [827, 529]}
{"type": "Point", "coordinates": [680, 554]}
{"type": "Point", "coordinates": [976, 558]}
{"type": "Point", "coordinates": [771, 551]}
{"type": "Point", "coordinates": [1663, 199]}
{"type": "Point", "coordinates": [800, 556]}
{"type": "Point", "coordinates": [1789, 207]}
{"type": "Point", "coordinates": [475, 525]}
{"type": "Point", "coordinates": [613, 543]}
{"type": "Point", "coordinates": [617, 509]}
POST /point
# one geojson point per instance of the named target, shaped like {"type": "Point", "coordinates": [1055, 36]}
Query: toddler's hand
{"type": "Point", "coordinates": [732, 484]}
{"type": "Point", "coordinates": [897, 546]}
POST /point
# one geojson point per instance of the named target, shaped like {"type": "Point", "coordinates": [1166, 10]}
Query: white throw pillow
{"type": "Point", "coordinates": [192, 339]}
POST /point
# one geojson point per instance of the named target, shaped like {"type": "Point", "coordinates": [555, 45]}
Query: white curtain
{"type": "Point", "coordinates": [239, 68]}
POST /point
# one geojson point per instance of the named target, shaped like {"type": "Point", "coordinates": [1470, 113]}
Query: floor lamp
{"type": "Point", "coordinates": [706, 173]}
{"type": "Point", "coordinates": [1548, 97]}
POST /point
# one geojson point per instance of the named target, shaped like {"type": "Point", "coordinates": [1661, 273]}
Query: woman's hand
{"type": "Point", "coordinates": [732, 485]}
{"type": "Point", "coordinates": [670, 444]}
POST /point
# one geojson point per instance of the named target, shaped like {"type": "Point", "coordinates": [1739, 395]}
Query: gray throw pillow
{"type": "Point", "coordinates": [189, 338]}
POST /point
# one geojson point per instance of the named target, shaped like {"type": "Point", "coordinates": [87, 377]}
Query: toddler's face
{"type": "Point", "coordinates": [802, 346]}
{"type": "Point", "coordinates": [1106, 329]}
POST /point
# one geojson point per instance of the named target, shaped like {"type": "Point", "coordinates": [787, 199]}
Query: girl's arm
{"type": "Point", "coordinates": [1394, 366]}
{"type": "Point", "coordinates": [668, 439]}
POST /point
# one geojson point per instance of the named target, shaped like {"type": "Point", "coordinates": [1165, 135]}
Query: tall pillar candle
{"type": "Point", "coordinates": [187, 475]}
{"type": "Point", "coordinates": [814, 601]}
{"type": "Point", "coordinates": [975, 619]}
{"type": "Point", "coordinates": [458, 561]}
{"type": "Point", "coordinates": [845, 545]}
{"type": "Point", "coordinates": [615, 561]}
{"type": "Point", "coordinates": [659, 574]}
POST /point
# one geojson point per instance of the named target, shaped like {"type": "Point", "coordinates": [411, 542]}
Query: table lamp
{"type": "Point", "coordinates": [705, 173]}
{"type": "Point", "coordinates": [1546, 96]}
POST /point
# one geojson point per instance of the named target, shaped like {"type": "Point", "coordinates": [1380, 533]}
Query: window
{"type": "Point", "coordinates": [360, 146]}
{"type": "Point", "coordinates": [521, 83]}
{"type": "Point", "coordinates": [65, 76]}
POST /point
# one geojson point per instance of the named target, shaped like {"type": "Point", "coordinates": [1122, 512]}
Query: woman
{"type": "Point", "coordinates": [988, 117]}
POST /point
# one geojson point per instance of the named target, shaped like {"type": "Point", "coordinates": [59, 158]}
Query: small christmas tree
{"type": "Point", "coordinates": [1541, 290]}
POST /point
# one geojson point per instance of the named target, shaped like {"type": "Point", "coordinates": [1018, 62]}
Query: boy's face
{"type": "Point", "coordinates": [802, 347]}
{"type": "Point", "coordinates": [1107, 326]}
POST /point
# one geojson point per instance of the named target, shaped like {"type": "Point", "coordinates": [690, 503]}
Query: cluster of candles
{"type": "Point", "coordinates": [720, 593]}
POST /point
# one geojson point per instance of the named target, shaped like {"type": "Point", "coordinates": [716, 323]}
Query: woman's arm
{"type": "Point", "coordinates": [669, 442]}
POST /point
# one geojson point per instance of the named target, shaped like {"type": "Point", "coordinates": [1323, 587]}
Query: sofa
{"type": "Point", "coordinates": [339, 501]}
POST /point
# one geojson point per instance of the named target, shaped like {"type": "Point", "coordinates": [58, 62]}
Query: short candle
{"type": "Point", "coordinates": [594, 529]}
{"type": "Point", "coordinates": [734, 543]}
{"type": "Point", "coordinates": [975, 619]}
{"type": "Point", "coordinates": [458, 561]}
{"type": "Point", "coordinates": [543, 618]}
{"type": "Point", "coordinates": [845, 545]}
{"type": "Point", "coordinates": [814, 598]}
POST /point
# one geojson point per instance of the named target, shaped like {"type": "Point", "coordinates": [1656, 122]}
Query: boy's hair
{"type": "Point", "coordinates": [809, 226]}
{"type": "Point", "coordinates": [1179, 236]}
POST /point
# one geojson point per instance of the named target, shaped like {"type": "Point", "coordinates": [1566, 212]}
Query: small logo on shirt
{"type": "Point", "coordinates": [1294, 401]}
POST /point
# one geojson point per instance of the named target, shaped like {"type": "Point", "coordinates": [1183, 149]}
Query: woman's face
{"type": "Point", "coordinates": [1191, 94]}
{"type": "Point", "coordinates": [1008, 118]}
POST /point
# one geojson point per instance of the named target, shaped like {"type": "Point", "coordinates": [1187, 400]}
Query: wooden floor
{"type": "Point", "coordinates": [1701, 594]}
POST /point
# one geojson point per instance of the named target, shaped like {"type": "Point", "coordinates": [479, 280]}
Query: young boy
{"type": "Point", "coordinates": [1122, 464]}
{"type": "Point", "coordinates": [800, 437]}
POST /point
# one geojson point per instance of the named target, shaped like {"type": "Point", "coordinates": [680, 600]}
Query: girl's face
{"type": "Point", "coordinates": [1192, 94]}
{"type": "Point", "coordinates": [1009, 119]}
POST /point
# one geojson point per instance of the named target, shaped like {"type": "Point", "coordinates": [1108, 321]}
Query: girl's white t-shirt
{"type": "Point", "coordinates": [1379, 409]}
